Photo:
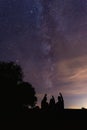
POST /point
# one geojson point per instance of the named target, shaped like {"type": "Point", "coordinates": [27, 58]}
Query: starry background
{"type": "Point", "coordinates": [48, 38]}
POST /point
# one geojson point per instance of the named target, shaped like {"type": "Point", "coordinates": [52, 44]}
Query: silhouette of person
{"type": "Point", "coordinates": [52, 103]}
{"type": "Point", "coordinates": [44, 103]}
{"type": "Point", "coordinates": [60, 103]}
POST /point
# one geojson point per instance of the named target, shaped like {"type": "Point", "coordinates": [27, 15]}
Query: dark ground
{"type": "Point", "coordinates": [31, 120]}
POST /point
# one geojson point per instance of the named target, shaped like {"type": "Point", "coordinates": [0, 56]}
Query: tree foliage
{"type": "Point", "coordinates": [14, 91]}
{"type": "Point", "coordinates": [10, 72]}
{"type": "Point", "coordinates": [27, 94]}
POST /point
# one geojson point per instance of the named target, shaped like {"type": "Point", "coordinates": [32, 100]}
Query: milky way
{"type": "Point", "coordinates": [48, 39]}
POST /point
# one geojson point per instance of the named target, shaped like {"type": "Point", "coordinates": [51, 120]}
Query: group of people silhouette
{"type": "Point", "coordinates": [53, 105]}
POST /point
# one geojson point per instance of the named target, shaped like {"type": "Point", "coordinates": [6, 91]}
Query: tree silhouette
{"type": "Point", "coordinates": [14, 91]}
{"type": "Point", "coordinates": [10, 75]}
{"type": "Point", "coordinates": [26, 94]}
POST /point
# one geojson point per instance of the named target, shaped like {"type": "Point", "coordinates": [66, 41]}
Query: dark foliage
{"type": "Point", "coordinates": [13, 90]}
{"type": "Point", "coordinates": [10, 73]}
{"type": "Point", "coordinates": [26, 94]}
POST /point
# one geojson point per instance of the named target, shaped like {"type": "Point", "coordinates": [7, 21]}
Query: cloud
{"type": "Point", "coordinates": [70, 76]}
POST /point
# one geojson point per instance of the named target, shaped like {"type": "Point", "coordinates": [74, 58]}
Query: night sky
{"type": "Point", "coordinates": [48, 38]}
